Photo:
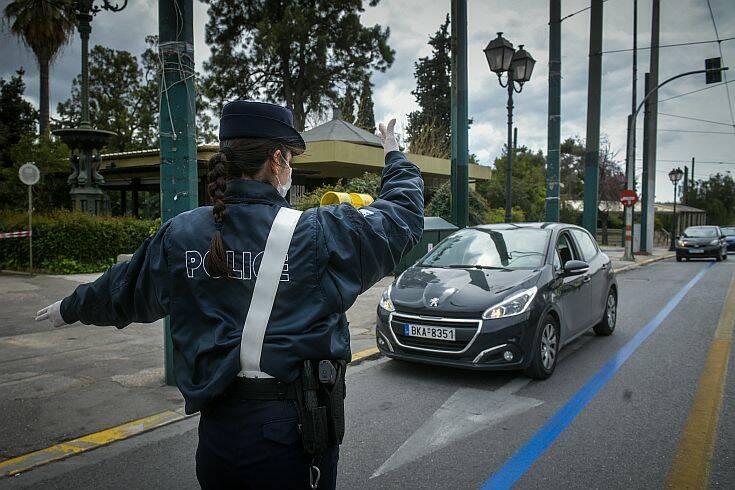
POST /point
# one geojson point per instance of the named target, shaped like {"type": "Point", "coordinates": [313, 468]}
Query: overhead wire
{"type": "Point", "coordinates": [691, 43]}
{"type": "Point", "coordinates": [697, 119]}
{"type": "Point", "coordinates": [722, 58]}
{"type": "Point", "coordinates": [695, 91]}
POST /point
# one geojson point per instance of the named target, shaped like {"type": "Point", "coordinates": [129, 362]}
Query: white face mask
{"type": "Point", "coordinates": [283, 188]}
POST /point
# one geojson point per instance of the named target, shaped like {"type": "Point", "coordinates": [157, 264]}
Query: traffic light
{"type": "Point", "coordinates": [713, 75]}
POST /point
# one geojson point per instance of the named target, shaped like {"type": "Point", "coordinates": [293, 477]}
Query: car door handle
{"type": "Point", "coordinates": [586, 279]}
{"type": "Point", "coordinates": [603, 266]}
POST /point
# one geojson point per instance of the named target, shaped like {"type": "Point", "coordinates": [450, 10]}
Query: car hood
{"type": "Point", "coordinates": [456, 292]}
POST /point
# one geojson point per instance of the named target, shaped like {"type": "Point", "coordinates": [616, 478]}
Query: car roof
{"type": "Point", "coordinates": [533, 225]}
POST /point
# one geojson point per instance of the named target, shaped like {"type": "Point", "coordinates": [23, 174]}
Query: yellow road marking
{"type": "Point", "coordinates": [691, 465]}
{"type": "Point", "coordinates": [357, 356]}
{"type": "Point", "coordinates": [63, 450]}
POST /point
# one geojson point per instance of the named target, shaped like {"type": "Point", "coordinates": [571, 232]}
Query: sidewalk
{"type": "Point", "coordinates": [58, 384]}
{"type": "Point", "coordinates": [619, 265]}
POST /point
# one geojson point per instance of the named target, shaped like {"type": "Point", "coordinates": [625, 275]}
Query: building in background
{"type": "Point", "coordinates": [335, 150]}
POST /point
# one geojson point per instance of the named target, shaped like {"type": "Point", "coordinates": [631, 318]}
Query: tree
{"type": "Point", "coordinates": [295, 52]}
{"type": "Point", "coordinates": [346, 105]}
{"type": "Point", "coordinates": [440, 205]}
{"type": "Point", "coordinates": [365, 113]}
{"type": "Point", "coordinates": [119, 100]}
{"type": "Point", "coordinates": [44, 27]}
{"type": "Point", "coordinates": [611, 180]}
{"type": "Point", "coordinates": [124, 98]}
{"type": "Point", "coordinates": [429, 128]}
{"type": "Point", "coordinates": [17, 115]}
{"type": "Point", "coordinates": [528, 185]}
{"type": "Point", "coordinates": [716, 196]}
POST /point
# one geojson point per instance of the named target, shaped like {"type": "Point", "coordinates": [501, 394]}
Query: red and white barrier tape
{"type": "Point", "coordinates": [16, 234]}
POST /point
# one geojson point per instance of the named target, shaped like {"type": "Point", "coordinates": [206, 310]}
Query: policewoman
{"type": "Point", "coordinates": [257, 294]}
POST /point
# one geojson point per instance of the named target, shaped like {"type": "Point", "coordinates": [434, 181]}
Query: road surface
{"type": "Point", "coordinates": [415, 426]}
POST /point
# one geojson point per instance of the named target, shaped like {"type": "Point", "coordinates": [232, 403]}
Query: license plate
{"type": "Point", "coordinates": [696, 251]}
{"type": "Point", "coordinates": [427, 332]}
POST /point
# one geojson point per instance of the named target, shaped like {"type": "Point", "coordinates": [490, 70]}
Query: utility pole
{"type": "Point", "coordinates": [594, 93]}
{"type": "Point", "coordinates": [649, 167]}
{"type": "Point", "coordinates": [178, 166]}
{"type": "Point", "coordinates": [554, 113]}
{"type": "Point", "coordinates": [694, 179]}
{"type": "Point", "coordinates": [646, 154]}
{"type": "Point", "coordinates": [685, 187]}
{"type": "Point", "coordinates": [460, 150]}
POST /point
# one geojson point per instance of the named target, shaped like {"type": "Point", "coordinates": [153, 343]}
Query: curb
{"type": "Point", "coordinates": [644, 262]}
{"type": "Point", "coordinates": [19, 464]}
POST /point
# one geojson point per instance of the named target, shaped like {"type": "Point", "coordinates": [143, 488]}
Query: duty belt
{"type": "Point", "coordinates": [261, 389]}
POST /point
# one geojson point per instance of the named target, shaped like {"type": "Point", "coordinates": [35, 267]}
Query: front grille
{"type": "Point", "coordinates": [465, 331]}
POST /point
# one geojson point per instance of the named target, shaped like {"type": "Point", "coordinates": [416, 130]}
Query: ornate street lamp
{"type": "Point", "coordinates": [518, 67]}
{"type": "Point", "coordinates": [675, 176]}
{"type": "Point", "coordinates": [85, 141]}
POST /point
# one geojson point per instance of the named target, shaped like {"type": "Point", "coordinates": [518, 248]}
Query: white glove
{"type": "Point", "coordinates": [388, 137]}
{"type": "Point", "coordinates": [52, 313]}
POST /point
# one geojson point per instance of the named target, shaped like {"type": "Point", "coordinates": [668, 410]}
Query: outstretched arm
{"type": "Point", "coordinates": [133, 291]}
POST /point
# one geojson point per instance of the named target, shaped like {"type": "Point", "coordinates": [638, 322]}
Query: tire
{"type": "Point", "coordinates": [718, 258]}
{"type": "Point", "coordinates": [545, 350]}
{"type": "Point", "coordinates": [724, 256]}
{"type": "Point", "coordinates": [607, 324]}
{"type": "Point", "coordinates": [678, 258]}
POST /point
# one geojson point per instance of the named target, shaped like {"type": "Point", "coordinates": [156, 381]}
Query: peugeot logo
{"type": "Point", "coordinates": [434, 302]}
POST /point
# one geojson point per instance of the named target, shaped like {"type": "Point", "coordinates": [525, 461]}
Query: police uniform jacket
{"type": "Point", "coordinates": [336, 253]}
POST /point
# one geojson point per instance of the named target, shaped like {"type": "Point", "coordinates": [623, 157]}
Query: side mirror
{"type": "Point", "coordinates": [575, 268]}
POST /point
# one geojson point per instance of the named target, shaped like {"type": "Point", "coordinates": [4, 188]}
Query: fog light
{"type": "Point", "coordinates": [508, 355]}
{"type": "Point", "coordinates": [381, 342]}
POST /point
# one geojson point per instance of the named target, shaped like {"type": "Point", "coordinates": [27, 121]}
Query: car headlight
{"type": "Point", "coordinates": [681, 243]}
{"type": "Point", "coordinates": [515, 305]}
{"type": "Point", "coordinates": [385, 301]}
{"type": "Point", "coordinates": [714, 242]}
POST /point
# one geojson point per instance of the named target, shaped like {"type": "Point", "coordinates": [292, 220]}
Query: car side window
{"type": "Point", "coordinates": [564, 251]}
{"type": "Point", "coordinates": [586, 245]}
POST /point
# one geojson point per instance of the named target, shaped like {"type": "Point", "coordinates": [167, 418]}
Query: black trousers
{"type": "Point", "coordinates": [255, 444]}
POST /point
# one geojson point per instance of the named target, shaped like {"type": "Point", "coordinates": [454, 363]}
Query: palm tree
{"type": "Point", "coordinates": [44, 26]}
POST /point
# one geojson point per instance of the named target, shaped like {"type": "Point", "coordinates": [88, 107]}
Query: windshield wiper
{"type": "Point", "coordinates": [491, 267]}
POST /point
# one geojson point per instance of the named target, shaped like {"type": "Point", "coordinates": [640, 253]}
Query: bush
{"type": "Point", "coordinates": [67, 242]}
{"type": "Point", "coordinates": [440, 205]}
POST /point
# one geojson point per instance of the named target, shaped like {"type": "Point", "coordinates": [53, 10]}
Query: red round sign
{"type": "Point", "coordinates": [628, 197]}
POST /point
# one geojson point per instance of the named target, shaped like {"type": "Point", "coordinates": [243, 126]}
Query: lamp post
{"type": "Point", "coordinates": [518, 66]}
{"type": "Point", "coordinates": [674, 176]}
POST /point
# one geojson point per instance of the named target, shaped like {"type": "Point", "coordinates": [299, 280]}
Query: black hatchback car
{"type": "Point", "coordinates": [499, 297]}
{"type": "Point", "coordinates": [699, 242]}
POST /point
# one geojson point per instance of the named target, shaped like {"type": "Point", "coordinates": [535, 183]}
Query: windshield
{"type": "Point", "coordinates": [701, 232]}
{"type": "Point", "coordinates": [520, 248]}
{"type": "Point", "coordinates": [729, 231]}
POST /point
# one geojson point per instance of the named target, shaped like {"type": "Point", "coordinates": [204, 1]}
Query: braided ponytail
{"type": "Point", "coordinates": [216, 259]}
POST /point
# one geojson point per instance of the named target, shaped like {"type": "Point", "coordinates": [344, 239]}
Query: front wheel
{"type": "Point", "coordinates": [607, 325]}
{"type": "Point", "coordinates": [678, 258]}
{"type": "Point", "coordinates": [545, 350]}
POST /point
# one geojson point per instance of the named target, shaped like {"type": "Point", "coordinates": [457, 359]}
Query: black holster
{"type": "Point", "coordinates": [321, 395]}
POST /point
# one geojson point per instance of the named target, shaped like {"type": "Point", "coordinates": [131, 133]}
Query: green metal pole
{"type": "Point", "coordinates": [509, 155]}
{"type": "Point", "coordinates": [554, 124]}
{"type": "Point", "coordinates": [460, 150]}
{"type": "Point", "coordinates": [177, 124]}
{"type": "Point", "coordinates": [594, 92]}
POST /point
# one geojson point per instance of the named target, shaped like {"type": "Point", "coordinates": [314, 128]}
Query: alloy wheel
{"type": "Point", "coordinates": [611, 310]}
{"type": "Point", "coordinates": [548, 346]}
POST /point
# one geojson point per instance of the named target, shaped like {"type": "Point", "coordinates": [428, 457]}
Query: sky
{"type": "Point", "coordinates": [524, 22]}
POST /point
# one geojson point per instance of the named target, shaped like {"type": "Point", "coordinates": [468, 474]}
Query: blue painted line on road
{"type": "Point", "coordinates": [525, 457]}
